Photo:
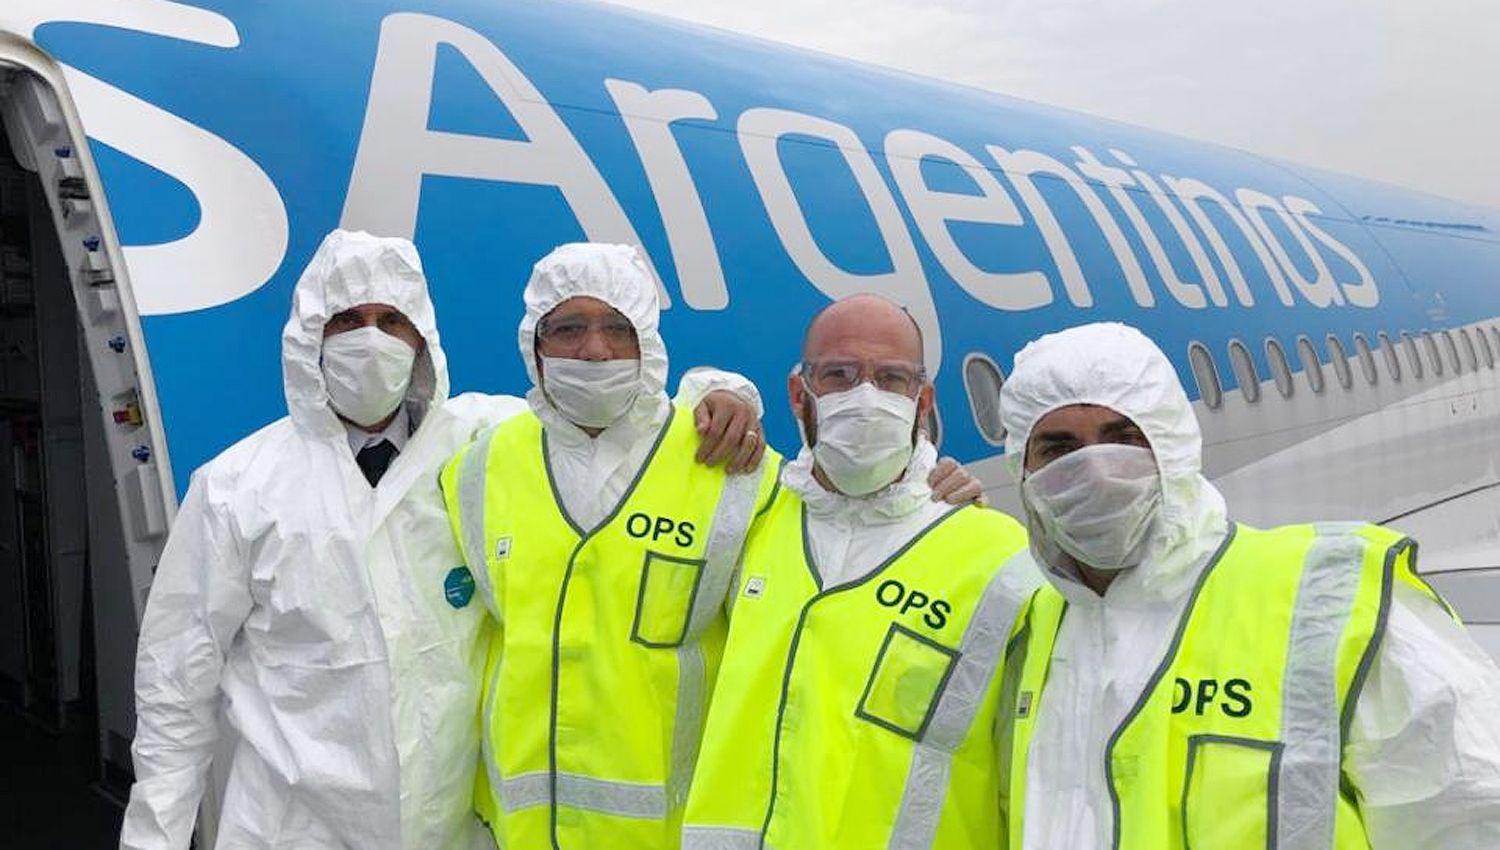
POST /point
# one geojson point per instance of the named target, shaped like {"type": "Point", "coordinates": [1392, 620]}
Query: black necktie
{"type": "Point", "coordinates": [374, 459]}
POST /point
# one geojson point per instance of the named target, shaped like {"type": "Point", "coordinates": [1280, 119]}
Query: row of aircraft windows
{"type": "Point", "coordinates": [1444, 351]}
{"type": "Point", "coordinates": [1425, 353]}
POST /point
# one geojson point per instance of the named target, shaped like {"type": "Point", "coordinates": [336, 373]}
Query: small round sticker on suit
{"type": "Point", "coordinates": [458, 587]}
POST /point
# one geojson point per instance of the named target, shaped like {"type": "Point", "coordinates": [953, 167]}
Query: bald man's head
{"type": "Point", "coordinates": [862, 340]}
{"type": "Point", "coordinates": [863, 326]}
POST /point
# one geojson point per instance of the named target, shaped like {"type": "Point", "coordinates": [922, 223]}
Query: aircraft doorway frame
{"type": "Point", "coordinates": [131, 498]}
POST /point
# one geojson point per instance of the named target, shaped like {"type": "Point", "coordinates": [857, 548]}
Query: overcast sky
{"type": "Point", "coordinates": [1402, 91]}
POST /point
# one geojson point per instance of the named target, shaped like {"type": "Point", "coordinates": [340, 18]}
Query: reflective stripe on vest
{"type": "Point", "coordinates": [473, 463]}
{"type": "Point", "coordinates": [1307, 780]}
{"type": "Point", "coordinates": [1210, 760]}
{"type": "Point", "coordinates": [721, 838]}
{"type": "Point", "coordinates": [980, 654]}
{"type": "Point", "coordinates": [598, 795]}
{"type": "Point", "coordinates": [471, 512]}
{"type": "Point", "coordinates": [697, 568]}
{"type": "Point", "coordinates": [726, 539]}
{"type": "Point", "coordinates": [917, 674]}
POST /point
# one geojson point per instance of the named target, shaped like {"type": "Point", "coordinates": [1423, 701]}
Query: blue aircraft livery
{"type": "Point", "coordinates": [760, 181]}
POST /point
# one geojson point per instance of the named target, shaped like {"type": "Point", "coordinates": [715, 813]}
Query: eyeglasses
{"type": "Point", "coordinates": [836, 376]}
{"type": "Point", "coordinates": [567, 332]}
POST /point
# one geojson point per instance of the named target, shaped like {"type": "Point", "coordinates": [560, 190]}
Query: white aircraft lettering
{"type": "Point", "coordinates": [1116, 180]}
{"type": "Point", "coordinates": [648, 117]}
{"type": "Point", "coordinates": [1021, 167]}
{"type": "Point", "coordinates": [1321, 291]}
{"type": "Point", "coordinates": [1362, 294]}
{"type": "Point", "coordinates": [1179, 224]}
{"type": "Point", "coordinates": [933, 210]}
{"type": "Point", "coordinates": [241, 236]}
{"type": "Point", "coordinates": [760, 132]}
{"type": "Point", "coordinates": [396, 149]}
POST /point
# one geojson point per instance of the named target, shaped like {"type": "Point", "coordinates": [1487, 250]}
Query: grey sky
{"type": "Point", "coordinates": [1399, 91]}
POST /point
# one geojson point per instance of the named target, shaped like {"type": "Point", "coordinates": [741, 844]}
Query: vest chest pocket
{"type": "Point", "coordinates": [906, 682]}
{"type": "Point", "coordinates": [1228, 800]}
{"type": "Point", "coordinates": [664, 603]}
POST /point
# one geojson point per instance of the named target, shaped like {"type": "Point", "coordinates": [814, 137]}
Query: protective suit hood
{"type": "Point", "coordinates": [1116, 366]}
{"type": "Point", "coordinates": [348, 269]}
{"type": "Point", "coordinates": [616, 275]}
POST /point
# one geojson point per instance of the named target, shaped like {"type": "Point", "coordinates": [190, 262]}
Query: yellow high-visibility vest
{"type": "Point", "coordinates": [1236, 741]}
{"type": "Point", "coordinates": [608, 638]}
{"type": "Point", "coordinates": [862, 715]}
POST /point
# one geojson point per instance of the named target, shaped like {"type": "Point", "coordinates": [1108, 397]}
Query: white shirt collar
{"type": "Point", "coordinates": [397, 431]}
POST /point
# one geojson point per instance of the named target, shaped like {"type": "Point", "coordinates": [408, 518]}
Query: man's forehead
{"type": "Point", "coordinates": [877, 334]}
{"type": "Point", "coordinates": [370, 308]}
{"type": "Point", "coordinates": [857, 346]}
{"type": "Point", "coordinates": [1081, 417]}
{"type": "Point", "coordinates": [583, 305]}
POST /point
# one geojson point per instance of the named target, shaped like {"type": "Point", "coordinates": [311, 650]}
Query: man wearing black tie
{"type": "Point", "coordinates": [368, 353]}
{"type": "Point", "coordinates": [311, 590]}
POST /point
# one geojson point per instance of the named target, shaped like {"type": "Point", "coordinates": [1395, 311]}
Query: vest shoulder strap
{"type": "Point", "coordinates": [1401, 552]}
{"type": "Point", "coordinates": [464, 482]}
{"type": "Point", "coordinates": [739, 507]}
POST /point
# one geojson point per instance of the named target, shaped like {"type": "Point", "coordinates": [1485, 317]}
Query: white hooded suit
{"type": "Point", "coordinates": [325, 611]}
{"type": "Point", "coordinates": [1423, 752]}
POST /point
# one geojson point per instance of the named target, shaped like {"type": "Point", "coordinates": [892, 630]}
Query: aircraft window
{"type": "Point", "coordinates": [1206, 374]}
{"type": "Point", "coordinates": [982, 380]}
{"type": "Point", "coordinates": [1413, 356]}
{"type": "Point", "coordinates": [1392, 362]}
{"type": "Point", "coordinates": [1433, 358]}
{"type": "Point", "coordinates": [1312, 367]}
{"type": "Point", "coordinates": [1366, 359]}
{"type": "Point", "coordinates": [1244, 371]}
{"type": "Point", "coordinates": [1484, 346]}
{"type": "Point", "coordinates": [1340, 360]}
{"type": "Point", "coordinates": [1469, 355]}
{"type": "Point", "coordinates": [1452, 348]}
{"type": "Point", "coordinates": [1280, 370]}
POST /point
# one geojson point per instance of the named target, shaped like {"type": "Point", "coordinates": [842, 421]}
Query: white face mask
{"type": "Point", "coordinates": [1097, 504]}
{"type": "Point", "coordinates": [591, 393]}
{"type": "Point", "coordinates": [864, 437]}
{"type": "Point", "coordinates": [367, 372]}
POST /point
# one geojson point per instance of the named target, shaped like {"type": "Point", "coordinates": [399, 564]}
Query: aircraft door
{"type": "Point", "coordinates": [85, 494]}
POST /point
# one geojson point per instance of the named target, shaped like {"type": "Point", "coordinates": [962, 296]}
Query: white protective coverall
{"type": "Point", "coordinates": [1424, 747]}
{"type": "Point", "coordinates": [592, 473]}
{"type": "Point", "coordinates": [318, 607]}
{"type": "Point", "coordinates": [850, 536]}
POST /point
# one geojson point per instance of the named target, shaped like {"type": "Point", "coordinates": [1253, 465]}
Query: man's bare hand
{"type": "Point", "coordinates": [953, 484]}
{"type": "Point", "coordinates": [729, 432]}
